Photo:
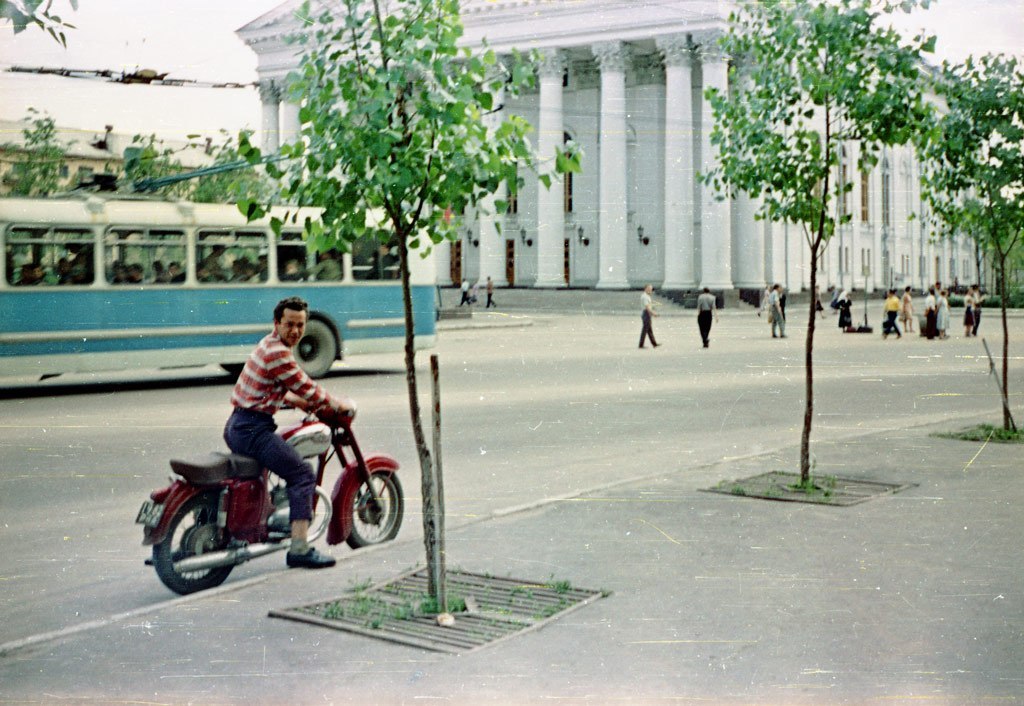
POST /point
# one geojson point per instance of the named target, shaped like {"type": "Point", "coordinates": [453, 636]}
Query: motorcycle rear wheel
{"type": "Point", "coordinates": [191, 532]}
{"type": "Point", "coordinates": [376, 521]}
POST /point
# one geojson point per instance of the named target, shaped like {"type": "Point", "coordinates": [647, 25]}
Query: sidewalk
{"type": "Point", "coordinates": [713, 599]}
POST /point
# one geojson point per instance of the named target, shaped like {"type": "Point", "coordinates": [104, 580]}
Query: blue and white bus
{"type": "Point", "coordinates": [101, 282]}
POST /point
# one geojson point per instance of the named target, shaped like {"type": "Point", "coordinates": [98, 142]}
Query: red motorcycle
{"type": "Point", "coordinates": [225, 509]}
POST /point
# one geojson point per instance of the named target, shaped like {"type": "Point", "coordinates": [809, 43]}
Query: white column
{"type": "Point", "coordinates": [291, 127]}
{"type": "Point", "coordinates": [679, 163]}
{"type": "Point", "coordinates": [550, 208]}
{"type": "Point", "coordinates": [716, 227]}
{"type": "Point", "coordinates": [612, 202]}
{"type": "Point", "coordinates": [747, 231]}
{"type": "Point", "coordinates": [748, 239]}
{"type": "Point", "coordinates": [492, 242]}
{"type": "Point", "coordinates": [443, 262]}
{"type": "Point", "coordinates": [270, 103]}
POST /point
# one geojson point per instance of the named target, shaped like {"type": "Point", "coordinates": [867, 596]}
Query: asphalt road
{"type": "Point", "coordinates": [547, 410]}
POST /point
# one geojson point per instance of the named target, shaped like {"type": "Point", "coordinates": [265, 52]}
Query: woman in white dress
{"type": "Point", "coordinates": [942, 318]}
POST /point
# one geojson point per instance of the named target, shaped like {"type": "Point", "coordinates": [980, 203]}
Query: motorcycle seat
{"type": "Point", "coordinates": [216, 467]}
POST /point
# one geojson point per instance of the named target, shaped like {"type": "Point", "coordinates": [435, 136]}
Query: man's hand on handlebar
{"type": "Point", "coordinates": [337, 410]}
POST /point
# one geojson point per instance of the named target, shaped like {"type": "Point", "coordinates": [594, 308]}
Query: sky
{"type": "Point", "coordinates": [195, 39]}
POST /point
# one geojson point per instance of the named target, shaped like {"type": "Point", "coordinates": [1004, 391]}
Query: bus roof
{"type": "Point", "coordinates": [104, 209]}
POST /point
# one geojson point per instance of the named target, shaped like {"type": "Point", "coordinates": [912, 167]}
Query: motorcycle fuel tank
{"type": "Point", "coordinates": [309, 439]}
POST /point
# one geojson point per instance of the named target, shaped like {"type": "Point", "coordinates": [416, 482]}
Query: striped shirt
{"type": "Point", "coordinates": [270, 372]}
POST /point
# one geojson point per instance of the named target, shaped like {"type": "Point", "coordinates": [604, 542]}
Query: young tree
{"type": "Point", "coordinates": [396, 120]}
{"type": "Point", "coordinates": [149, 158]}
{"type": "Point", "coordinates": [233, 185]}
{"type": "Point", "coordinates": [811, 76]}
{"type": "Point", "coordinates": [974, 168]}
{"type": "Point", "coordinates": [38, 171]}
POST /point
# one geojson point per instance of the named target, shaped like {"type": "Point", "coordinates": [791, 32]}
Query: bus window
{"type": "Point", "coordinates": [372, 259]}
{"type": "Point", "coordinates": [49, 256]}
{"type": "Point", "coordinates": [291, 258]}
{"type": "Point", "coordinates": [328, 267]}
{"type": "Point", "coordinates": [142, 256]}
{"type": "Point", "coordinates": [231, 256]}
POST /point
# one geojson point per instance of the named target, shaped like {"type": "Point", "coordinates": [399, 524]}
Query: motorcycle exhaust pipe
{"type": "Point", "coordinates": [228, 557]}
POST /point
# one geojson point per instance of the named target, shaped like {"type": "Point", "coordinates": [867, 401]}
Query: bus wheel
{"type": "Point", "coordinates": [317, 350]}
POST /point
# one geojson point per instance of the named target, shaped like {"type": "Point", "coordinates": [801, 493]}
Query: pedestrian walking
{"type": "Point", "coordinates": [490, 294]}
{"type": "Point", "coordinates": [907, 311]}
{"type": "Point", "coordinates": [817, 301]}
{"type": "Point", "coordinates": [474, 293]}
{"type": "Point", "coordinates": [706, 308]}
{"type": "Point", "coordinates": [465, 293]}
{"type": "Point", "coordinates": [969, 312]}
{"type": "Point", "coordinates": [646, 314]}
{"type": "Point", "coordinates": [891, 309]}
{"type": "Point", "coordinates": [776, 314]}
{"type": "Point", "coordinates": [978, 298]}
{"type": "Point", "coordinates": [765, 297]}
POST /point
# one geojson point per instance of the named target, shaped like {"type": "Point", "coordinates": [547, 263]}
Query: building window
{"type": "Point", "coordinates": [886, 193]}
{"type": "Point", "coordinates": [143, 256]}
{"type": "Point", "coordinates": [865, 197]}
{"type": "Point", "coordinates": [513, 196]}
{"type": "Point", "coordinates": [844, 180]}
{"type": "Point", "coordinates": [567, 193]}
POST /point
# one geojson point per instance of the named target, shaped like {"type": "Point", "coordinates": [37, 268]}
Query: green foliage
{"type": "Point", "coordinates": [148, 158]}
{"type": "Point", "coordinates": [37, 172]}
{"type": "Point", "coordinates": [396, 120]}
{"type": "Point", "coordinates": [237, 185]}
{"type": "Point", "coordinates": [812, 76]}
{"type": "Point", "coordinates": [23, 13]}
{"type": "Point", "coordinates": [985, 432]}
{"type": "Point", "coordinates": [974, 157]}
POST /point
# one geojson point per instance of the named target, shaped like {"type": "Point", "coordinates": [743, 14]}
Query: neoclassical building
{"type": "Point", "coordinates": [625, 80]}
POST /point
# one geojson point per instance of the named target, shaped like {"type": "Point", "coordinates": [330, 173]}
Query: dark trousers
{"type": "Point", "coordinates": [929, 327]}
{"type": "Point", "coordinates": [890, 323]}
{"type": "Point", "coordinates": [253, 434]}
{"type": "Point", "coordinates": [704, 323]}
{"type": "Point", "coordinates": [646, 332]}
{"type": "Point", "coordinates": [977, 320]}
{"type": "Point", "coordinates": [490, 301]}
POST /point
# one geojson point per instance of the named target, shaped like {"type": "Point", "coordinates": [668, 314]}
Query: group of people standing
{"type": "Point", "coordinates": [937, 317]}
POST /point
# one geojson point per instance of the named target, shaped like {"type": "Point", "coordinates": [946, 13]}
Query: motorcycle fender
{"type": "Point", "coordinates": [345, 487]}
{"type": "Point", "coordinates": [177, 494]}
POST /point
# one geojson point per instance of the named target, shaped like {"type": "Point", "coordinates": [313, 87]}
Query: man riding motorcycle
{"type": "Point", "coordinates": [270, 380]}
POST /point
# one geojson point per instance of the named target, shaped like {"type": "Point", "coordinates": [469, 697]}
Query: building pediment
{"type": "Point", "coordinates": [529, 24]}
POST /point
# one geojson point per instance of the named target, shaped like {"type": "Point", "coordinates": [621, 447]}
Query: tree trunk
{"type": "Point", "coordinates": [423, 452]}
{"type": "Point", "coordinates": [805, 437]}
{"type": "Point", "coordinates": [1007, 418]}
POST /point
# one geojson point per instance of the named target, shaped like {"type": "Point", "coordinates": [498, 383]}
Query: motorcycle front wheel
{"type": "Point", "coordinates": [376, 521]}
{"type": "Point", "coordinates": [191, 532]}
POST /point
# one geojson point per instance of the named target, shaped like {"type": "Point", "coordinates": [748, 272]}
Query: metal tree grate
{"type": "Point", "coordinates": [486, 610]}
{"type": "Point", "coordinates": [828, 490]}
